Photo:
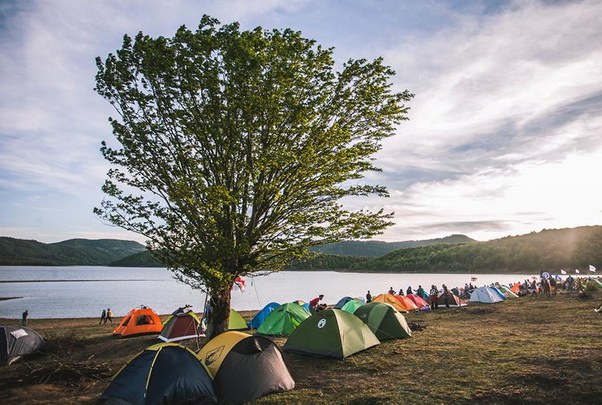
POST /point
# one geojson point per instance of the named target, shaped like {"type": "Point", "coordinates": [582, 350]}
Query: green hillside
{"type": "Point", "coordinates": [374, 248]}
{"type": "Point", "coordinates": [19, 252]}
{"type": "Point", "coordinates": [142, 259]}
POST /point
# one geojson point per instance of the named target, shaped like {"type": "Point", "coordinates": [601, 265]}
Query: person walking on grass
{"type": "Point", "coordinates": [103, 317]}
{"type": "Point", "coordinates": [109, 316]}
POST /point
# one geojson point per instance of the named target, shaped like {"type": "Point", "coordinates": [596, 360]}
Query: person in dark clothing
{"type": "Point", "coordinates": [409, 291]}
{"type": "Point", "coordinates": [25, 315]}
{"type": "Point", "coordinates": [103, 317]}
{"type": "Point", "coordinates": [368, 297]}
{"type": "Point", "coordinates": [109, 316]}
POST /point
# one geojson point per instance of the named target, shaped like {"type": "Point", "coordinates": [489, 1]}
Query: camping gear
{"type": "Point", "coordinates": [139, 321]}
{"type": "Point", "coordinates": [508, 293]}
{"type": "Point", "coordinates": [344, 300]}
{"type": "Point", "coordinates": [236, 321]}
{"type": "Point", "coordinates": [331, 333]}
{"type": "Point", "coordinates": [392, 300]}
{"type": "Point", "coordinates": [283, 320]}
{"type": "Point", "coordinates": [181, 326]}
{"type": "Point", "coordinates": [384, 321]}
{"type": "Point", "coordinates": [408, 304]}
{"type": "Point", "coordinates": [16, 342]}
{"type": "Point", "coordinates": [162, 373]}
{"type": "Point", "coordinates": [245, 367]}
{"type": "Point", "coordinates": [419, 301]}
{"type": "Point", "coordinates": [261, 315]}
{"type": "Point", "coordinates": [352, 305]}
{"type": "Point", "coordinates": [487, 295]}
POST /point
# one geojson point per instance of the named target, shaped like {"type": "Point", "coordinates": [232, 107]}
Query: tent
{"type": "Point", "coordinates": [384, 321]}
{"type": "Point", "coordinates": [181, 326]}
{"type": "Point", "coordinates": [236, 321]}
{"type": "Point", "coordinates": [344, 300]}
{"type": "Point", "coordinates": [392, 300]}
{"type": "Point", "coordinates": [352, 305]}
{"type": "Point", "coordinates": [283, 320]}
{"type": "Point", "coordinates": [303, 304]}
{"type": "Point", "coordinates": [453, 300]}
{"type": "Point", "coordinates": [245, 367]}
{"type": "Point", "coordinates": [331, 333]}
{"type": "Point", "coordinates": [407, 303]}
{"type": "Point", "coordinates": [418, 300]}
{"type": "Point", "coordinates": [508, 293]}
{"type": "Point", "coordinates": [139, 321]}
{"type": "Point", "coordinates": [163, 373]}
{"type": "Point", "coordinates": [261, 315]}
{"type": "Point", "coordinates": [16, 342]}
{"type": "Point", "coordinates": [485, 294]}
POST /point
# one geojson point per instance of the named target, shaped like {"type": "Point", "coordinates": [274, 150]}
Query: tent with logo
{"type": "Point", "coordinates": [283, 320]}
{"type": "Point", "coordinates": [487, 295]}
{"type": "Point", "coordinates": [139, 321]}
{"type": "Point", "coordinates": [261, 315]}
{"type": "Point", "coordinates": [16, 342]}
{"type": "Point", "coordinates": [384, 321]}
{"type": "Point", "coordinates": [245, 367]}
{"type": "Point", "coordinates": [392, 300]}
{"type": "Point", "coordinates": [181, 326]}
{"type": "Point", "coordinates": [352, 305]}
{"type": "Point", "coordinates": [166, 373]}
{"type": "Point", "coordinates": [331, 333]}
{"type": "Point", "coordinates": [236, 321]}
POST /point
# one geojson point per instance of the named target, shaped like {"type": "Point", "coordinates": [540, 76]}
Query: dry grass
{"type": "Point", "coordinates": [523, 351]}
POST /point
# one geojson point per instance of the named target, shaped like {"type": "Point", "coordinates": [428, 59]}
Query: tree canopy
{"type": "Point", "coordinates": [236, 147]}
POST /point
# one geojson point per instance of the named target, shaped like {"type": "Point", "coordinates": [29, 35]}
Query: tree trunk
{"type": "Point", "coordinates": [219, 316]}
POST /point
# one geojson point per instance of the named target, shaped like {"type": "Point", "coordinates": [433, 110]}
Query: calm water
{"type": "Point", "coordinates": [83, 291]}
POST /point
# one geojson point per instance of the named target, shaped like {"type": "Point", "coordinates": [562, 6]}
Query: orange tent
{"type": "Point", "coordinates": [407, 303]}
{"type": "Point", "coordinates": [391, 300]}
{"type": "Point", "coordinates": [139, 321]}
{"type": "Point", "coordinates": [515, 288]}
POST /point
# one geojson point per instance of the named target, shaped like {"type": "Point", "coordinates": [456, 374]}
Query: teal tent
{"type": "Point", "coordinates": [351, 306]}
{"type": "Point", "coordinates": [384, 320]}
{"type": "Point", "coordinates": [331, 333]}
{"type": "Point", "coordinates": [283, 320]}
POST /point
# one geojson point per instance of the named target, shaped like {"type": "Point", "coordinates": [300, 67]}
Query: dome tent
{"type": "Point", "coordinates": [487, 295]}
{"type": "Point", "coordinates": [331, 333]}
{"type": "Point", "coordinates": [283, 320]}
{"type": "Point", "coordinates": [245, 367]}
{"type": "Point", "coordinates": [262, 315]}
{"type": "Point", "coordinates": [16, 342]}
{"type": "Point", "coordinates": [163, 373]}
{"type": "Point", "coordinates": [181, 326]}
{"type": "Point", "coordinates": [352, 305]}
{"type": "Point", "coordinates": [139, 321]}
{"type": "Point", "coordinates": [384, 321]}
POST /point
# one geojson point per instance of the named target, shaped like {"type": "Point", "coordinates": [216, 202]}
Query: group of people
{"type": "Point", "coordinates": [106, 316]}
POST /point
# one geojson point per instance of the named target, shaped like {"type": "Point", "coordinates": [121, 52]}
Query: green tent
{"type": "Point", "coordinates": [351, 306]}
{"type": "Point", "coordinates": [331, 333]}
{"type": "Point", "coordinates": [283, 320]}
{"type": "Point", "coordinates": [384, 321]}
{"type": "Point", "coordinates": [236, 322]}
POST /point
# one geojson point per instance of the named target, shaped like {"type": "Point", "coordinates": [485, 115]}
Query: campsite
{"type": "Point", "coordinates": [527, 350]}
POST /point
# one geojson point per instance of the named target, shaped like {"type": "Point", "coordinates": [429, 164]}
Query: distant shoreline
{"type": "Point", "coordinates": [9, 298]}
{"type": "Point", "coordinates": [70, 281]}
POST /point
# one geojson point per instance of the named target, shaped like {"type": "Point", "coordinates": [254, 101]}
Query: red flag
{"type": "Point", "coordinates": [473, 279]}
{"type": "Point", "coordinates": [239, 282]}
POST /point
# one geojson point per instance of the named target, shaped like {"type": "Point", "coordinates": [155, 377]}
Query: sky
{"type": "Point", "coordinates": [504, 134]}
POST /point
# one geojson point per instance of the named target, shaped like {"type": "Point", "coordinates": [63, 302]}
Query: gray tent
{"type": "Point", "coordinates": [16, 342]}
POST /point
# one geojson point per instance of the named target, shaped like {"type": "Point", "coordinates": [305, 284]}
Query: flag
{"type": "Point", "coordinates": [562, 271]}
{"type": "Point", "coordinates": [592, 268]}
{"type": "Point", "coordinates": [473, 279]}
{"type": "Point", "coordinates": [239, 283]}
{"type": "Point", "coordinates": [577, 271]}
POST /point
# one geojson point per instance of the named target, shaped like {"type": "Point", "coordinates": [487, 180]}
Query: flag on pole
{"type": "Point", "coordinates": [577, 271]}
{"type": "Point", "coordinates": [562, 271]}
{"type": "Point", "coordinates": [592, 268]}
{"type": "Point", "coordinates": [473, 279]}
{"type": "Point", "coordinates": [239, 283]}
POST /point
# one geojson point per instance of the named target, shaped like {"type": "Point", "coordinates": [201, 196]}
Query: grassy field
{"type": "Point", "coordinates": [522, 351]}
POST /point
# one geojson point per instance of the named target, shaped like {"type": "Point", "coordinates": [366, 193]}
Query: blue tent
{"type": "Point", "coordinates": [261, 315]}
{"type": "Point", "coordinates": [342, 302]}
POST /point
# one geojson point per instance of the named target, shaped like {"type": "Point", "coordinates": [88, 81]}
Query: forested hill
{"type": "Point", "coordinates": [374, 248]}
{"type": "Point", "coordinates": [86, 252]}
{"type": "Point", "coordinates": [552, 249]}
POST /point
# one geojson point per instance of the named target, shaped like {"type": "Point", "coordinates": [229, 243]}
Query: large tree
{"type": "Point", "coordinates": [236, 148]}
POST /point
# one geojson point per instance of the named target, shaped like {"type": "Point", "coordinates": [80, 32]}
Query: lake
{"type": "Point", "coordinates": [83, 291]}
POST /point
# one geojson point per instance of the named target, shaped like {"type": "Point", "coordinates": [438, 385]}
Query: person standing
{"type": "Point", "coordinates": [103, 317]}
{"type": "Point", "coordinates": [24, 320]}
{"type": "Point", "coordinates": [409, 291]}
{"type": "Point", "coordinates": [109, 316]}
{"type": "Point", "coordinates": [368, 297]}
{"type": "Point", "coordinates": [434, 297]}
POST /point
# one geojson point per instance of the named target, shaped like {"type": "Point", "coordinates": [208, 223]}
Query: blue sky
{"type": "Point", "coordinates": [504, 136]}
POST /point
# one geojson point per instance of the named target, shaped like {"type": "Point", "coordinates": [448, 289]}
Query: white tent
{"type": "Point", "coordinates": [485, 294]}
